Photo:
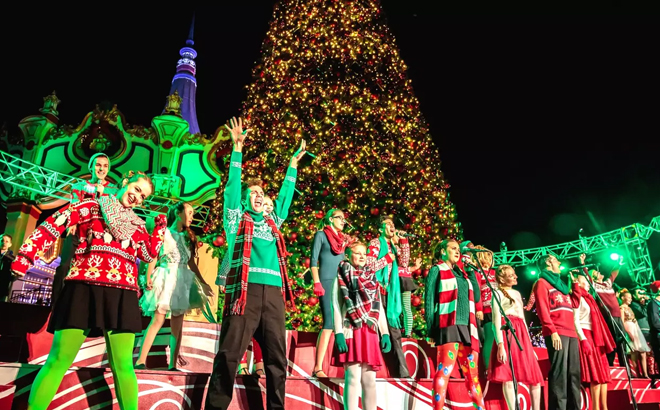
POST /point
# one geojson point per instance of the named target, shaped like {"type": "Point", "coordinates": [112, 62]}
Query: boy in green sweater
{"type": "Point", "coordinates": [257, 285]}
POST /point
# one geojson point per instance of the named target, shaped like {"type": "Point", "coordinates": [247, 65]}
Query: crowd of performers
{"type": "Point", "coordinates": [364, 291]}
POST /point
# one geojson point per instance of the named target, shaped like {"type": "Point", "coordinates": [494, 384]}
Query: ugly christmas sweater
{"type": "Point", "coordinates": [99, 258]}
{"type": "Point", "coordinates": [264, 265]}
{"type": "Point", "coordinates": [554, 309]}
{"type": "Point", "coordinates": [402, 258]}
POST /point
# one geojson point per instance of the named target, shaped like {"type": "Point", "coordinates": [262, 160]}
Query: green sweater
{"type": "Point", "coordinates": [264, 267]}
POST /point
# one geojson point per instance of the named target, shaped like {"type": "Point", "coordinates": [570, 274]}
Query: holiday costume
{"type": "Point", "coordinates": [388, 277]}
{"type": "Point", "coordinates": [257, 286]}
{"type": "Point", "coordinates": [450, 320]}
{"type": "Point", "coordinates": [591, 326]}
{"type": "Point", "coordinates": [641, 315]}
{"type": "Point", "coordinates": [653, 310]}
{"type": "Point", "coordinates": [525, 363]}
{"type": "Point", "coordinates": [612, 314]}
{"type": "Point", "coordinates": [408, 285]}
{"type": "Point", "coordinates": [326, 257]}
{"type": "Point", "coordinates": [634, 332]}
{"type": "Point", "coordinates": [484, 306]}
{"type": "Point", "coordinates": [100, 295]}
{"type": "Point", "coordinates": [79, 191]}
{"type": "Point", "coordinates": [172, 280]}
{"type": "Point", "coordinates": [555, 311]}
{"type": "Point", "coordinates": [358, 316]}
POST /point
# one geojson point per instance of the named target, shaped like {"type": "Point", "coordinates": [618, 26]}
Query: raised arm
{"type": "Point", "coordinates": [232, 206]}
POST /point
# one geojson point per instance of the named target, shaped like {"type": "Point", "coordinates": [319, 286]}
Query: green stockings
{"type": "Point", "coordinates": [407, 314]}
{"type": "Point", "coordinates": [489, 338]}
{"type": "Point", "coordinates": [66, 345]}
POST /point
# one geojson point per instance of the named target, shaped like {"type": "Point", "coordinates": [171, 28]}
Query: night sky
{"type": "Point", "coordinates": [545, 124]}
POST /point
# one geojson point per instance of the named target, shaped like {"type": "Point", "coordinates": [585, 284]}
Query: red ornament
{"type": "Point", "coordinates": [293, 236]}
{"type": "Point", "coordinates": [325, 192]}
{"type": "Point", "coordinates": [375, 211]}
{"type": "Point", "coordinates": [219, 241]}
{"type": "Point", "coordinates": [425, 272]}
{"type": "Point", "coordinates": [415, 300]}
{"type": "Point", "coordinates": [200, 244]}
{"type": "Point", "coordinates": [167, 144]}
{"type": "Point", "coordinates": [306, 262]}
{"type": "Point", "coordinates": [312, 301]}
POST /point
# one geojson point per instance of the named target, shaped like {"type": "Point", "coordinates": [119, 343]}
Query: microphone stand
{"type": "Point", "coordinates": [621, 335]}
{"type": "Point", "coordinates": [507, 327]}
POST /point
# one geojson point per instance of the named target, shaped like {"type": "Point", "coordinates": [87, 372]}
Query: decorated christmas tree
{"type": "Point", "coordinates": [331, 73]}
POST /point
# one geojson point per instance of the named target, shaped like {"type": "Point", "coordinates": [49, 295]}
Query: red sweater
{"type": "Point", "coordinates": [554, 309]}
{"type": "Point", "coordinates": [607, 295]}
{"type": "Point", "coordinates": [99, 259]}
{"type": "Point", "coordinates": [484, 304]}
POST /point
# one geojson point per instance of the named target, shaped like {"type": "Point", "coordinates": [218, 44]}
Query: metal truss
{"type": "Point", "coordinates": [632, 237]}
{"type": "Point", "coordinates": [44, 182]}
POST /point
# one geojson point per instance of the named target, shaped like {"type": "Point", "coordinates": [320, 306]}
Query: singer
{"type": "Point", "coordinates": [525, 365]}
{"type": "Point", "coordinates": [555, 312]}
{"type": "Point", "coordinates": [611, 312]}
{"type": "Point", "coordinates": [451, 322]}
{"type": "Point", "coordinates": [328, 248]}
{"type": "Point", "coordinates": [394, 250]}
{"type": "Point", "coordinates": [595, 342]}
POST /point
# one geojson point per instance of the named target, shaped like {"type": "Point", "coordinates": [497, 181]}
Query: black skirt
{"type": "Point", "coordinates": [452, 334]}
{"type": "Point", "coordinates": [98, 308]}
{"type": "Point", "coordinates": [407, 284]}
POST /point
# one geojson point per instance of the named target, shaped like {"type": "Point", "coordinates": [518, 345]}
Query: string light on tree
{"type": "Point", "coordinates": [331, 73]}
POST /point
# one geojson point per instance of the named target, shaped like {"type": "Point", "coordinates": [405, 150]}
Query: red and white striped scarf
{"type": "Point", "coordinates": [237, 278]}
{"type": "Point", "coordinates": [448, 296]}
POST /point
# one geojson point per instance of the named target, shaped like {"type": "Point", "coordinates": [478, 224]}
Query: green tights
{"type": "Point", "coordinates": [489, 338]}
{"type": "Point", "coordinates": [66, 345]}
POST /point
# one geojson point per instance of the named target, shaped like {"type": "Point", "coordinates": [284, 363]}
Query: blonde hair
{"type": "Point", "coordinates": [351, 248]}
{"type": "Point", "coordinates": [499, 274]}
{"type": "Point", "coordinates": [134, 176]}
{"type": "Point", "coordinates": [485, 258]}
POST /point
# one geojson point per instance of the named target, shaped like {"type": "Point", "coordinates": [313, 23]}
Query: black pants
{"type": "Point", "coordinates": [564, 377]}
{"type": "Point", "coordinates": [395, 359]}
{"type": "Point", "coordinates": [619, 338]}
{"type": "Point", "coordinates": [264, 320]}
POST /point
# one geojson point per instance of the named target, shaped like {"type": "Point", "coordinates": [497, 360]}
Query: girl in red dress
{"type": "Point", "coordinates": [358, 318]}
{"type": "Point", "coordinates": [525, 364]}
{"type": "Point", "coordinates": [595, 342]}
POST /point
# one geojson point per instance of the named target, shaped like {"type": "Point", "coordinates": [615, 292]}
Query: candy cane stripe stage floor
{"type": "Point", "coordinates": [24, 346]}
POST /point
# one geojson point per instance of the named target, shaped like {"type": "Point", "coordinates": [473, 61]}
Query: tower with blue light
{"type": "Point", "coordinates": [185, 83]}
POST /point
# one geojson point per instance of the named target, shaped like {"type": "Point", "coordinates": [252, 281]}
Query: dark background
{"type": "Point", "coordinates": [546, 119]}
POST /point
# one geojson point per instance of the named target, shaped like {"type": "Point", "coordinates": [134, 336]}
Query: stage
{"type": "Point", "coordinates": [24, 346]}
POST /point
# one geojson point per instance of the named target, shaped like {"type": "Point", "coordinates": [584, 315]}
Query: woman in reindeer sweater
{"type": "Point", "coordinates": [450, 300]}
{"type": "Point", "coordinates": [100, 292]}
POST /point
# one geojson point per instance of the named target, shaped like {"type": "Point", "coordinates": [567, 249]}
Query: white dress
{"type": "Point", "coordinates": [171, 279]}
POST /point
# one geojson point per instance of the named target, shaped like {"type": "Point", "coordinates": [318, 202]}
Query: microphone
{"type": "Point", "coordinates": [579, 268]}
{"type": "Point", "coordinates": [465, 249]}
{"type": "Point", "coordinates": [406, 234]}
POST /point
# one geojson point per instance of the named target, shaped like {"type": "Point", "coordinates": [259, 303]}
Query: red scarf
{"type": "Point", "coordinates": [237, 278]}
{"type": "Point", "coordinates": [338, 241]}
{"type": "Point", "coordinates": [599, 330]}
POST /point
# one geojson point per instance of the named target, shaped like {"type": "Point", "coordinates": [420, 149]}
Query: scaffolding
{"type": "Point", "coordinates": [632, 237]}
{"type": "Point", "coordinates": [46, 183]}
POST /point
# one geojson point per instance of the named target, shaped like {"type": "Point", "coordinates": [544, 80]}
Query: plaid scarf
{"type": "Point", "coordinates": [237, 278]}
{"type": "Point", "coordinates": [121, 222]}
{"type": "Point", "coordinates": [359, 290]}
